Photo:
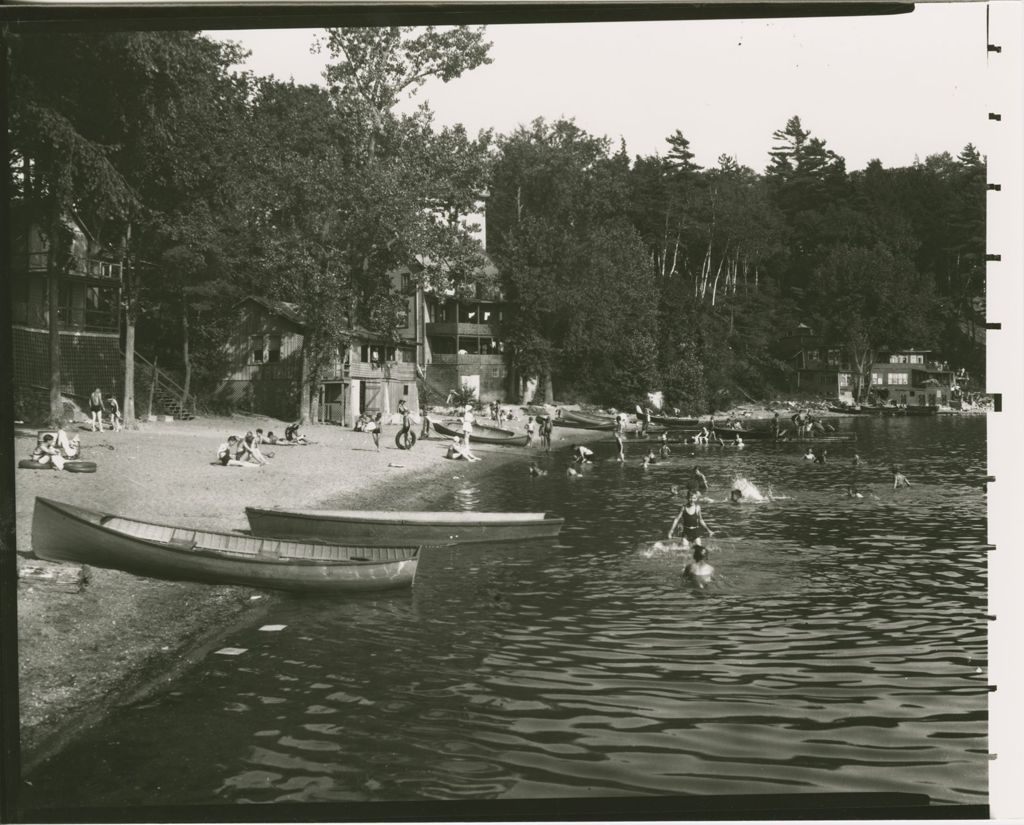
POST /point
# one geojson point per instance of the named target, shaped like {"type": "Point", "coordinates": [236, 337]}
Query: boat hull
{"type": "Point", "coordinates": [369, 528]}
{"type": "Point", "coordinates": [483, 435]}
{"type": "Point", "coordinates": [585, 421]}
{"type": "Point", "coordinates": [63, 532]}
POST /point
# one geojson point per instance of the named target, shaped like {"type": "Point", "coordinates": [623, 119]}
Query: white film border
{"type": "Point", "coordinates": [1004, 147]}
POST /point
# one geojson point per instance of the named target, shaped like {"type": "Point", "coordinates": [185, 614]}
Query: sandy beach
{"type": "Point", "coordinates": [80, 654]}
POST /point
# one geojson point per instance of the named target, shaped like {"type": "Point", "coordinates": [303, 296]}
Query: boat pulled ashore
{"type": "Point", "coordinates": [64, 532]}
{"type": "Point", "coordinates": [378, 527]}
{"type": "Point", "coordinates": [481, 434]}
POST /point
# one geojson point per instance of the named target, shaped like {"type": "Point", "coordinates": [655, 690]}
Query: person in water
{"type": "Point", "coordinates": [699, 570]}
{"type": "Point", "coordinates": [581, 454]}
{"type": "Point", "coordinates": [698, 481]}
{"type": "Point", "coordinates": [691, 518]}
{"type": "Point", "coordinates": [620, 431]}
{"type": "Point", "coordinates": [898, 479]}
{"type": "Point", "coordinates": [536, 471]}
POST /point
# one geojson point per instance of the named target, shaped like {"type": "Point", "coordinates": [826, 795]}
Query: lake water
{"type": "Point", "coordinates": [841, 648]}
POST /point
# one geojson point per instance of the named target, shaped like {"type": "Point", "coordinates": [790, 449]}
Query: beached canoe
{"type": "Point", "coordinates": [673, 421]}
{"type": "Point", "coordinates": [482, 434]}
{"type": "Point", "coordinates": [585, 421]}
{"type": "Point", "coordinates": [371, 527]}
{"type": "Point", "coordinates": [63, 532]}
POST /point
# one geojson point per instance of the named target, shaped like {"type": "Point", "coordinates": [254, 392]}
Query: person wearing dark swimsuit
{"type": "Point", "coordinates": [691, 518]}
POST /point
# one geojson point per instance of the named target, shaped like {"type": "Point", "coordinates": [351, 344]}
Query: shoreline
{"type": "Point", "coordinates": [83, 654]}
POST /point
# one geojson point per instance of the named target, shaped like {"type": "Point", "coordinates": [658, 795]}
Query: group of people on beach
{"type": "Point", "coordinates": [98, 405]}
{"type": "Point", "coordinates": [249, 450]}
{"type": "Point", "coordinates": [55, 449]}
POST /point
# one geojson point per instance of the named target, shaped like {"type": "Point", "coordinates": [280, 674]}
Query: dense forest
{"type": "Point", "coordinates": [623, 274]}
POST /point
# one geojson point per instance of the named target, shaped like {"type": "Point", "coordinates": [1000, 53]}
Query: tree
{"type": "Point", "coordinates": [870, 297]}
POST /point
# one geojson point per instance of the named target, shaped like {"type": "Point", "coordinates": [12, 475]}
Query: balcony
{"type": "Point", "coordinates": [487, 360]}
{"type": "Point", "coordinates": [92, 268]}
{"type": "Point", "coordinates": [492, 330]}
{"type": "Point", "coordinates": [76, 320]}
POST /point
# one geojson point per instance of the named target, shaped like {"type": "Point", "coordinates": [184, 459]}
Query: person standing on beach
{"type": "Point", "coordinates": [546, 427]}
{"type": "Point", "coordinates": [530, 428]}
{"type": "Point", "coordinates": [620, 426]}
{"type": "Point", "coordinates": [373, 428]}
{"type": "Point", "coordinates": [96, 409]}
{"type": "Point", "coordinates": [467, 426]}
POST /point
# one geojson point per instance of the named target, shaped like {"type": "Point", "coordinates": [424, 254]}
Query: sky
{"type": "Point", "coordinates": [896, 88]}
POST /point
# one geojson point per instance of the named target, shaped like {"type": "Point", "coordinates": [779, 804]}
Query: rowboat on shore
{"type": "Point", "coordinates": [372, 528]}
{"type": "Point", "coordinates": [585, 421]}
{"type": "Point", "coordinates": [481, 434]}
{"type": "Point", "coordinates": [64, 532]}
{"type": "Point", "coordinates": [673, 421]}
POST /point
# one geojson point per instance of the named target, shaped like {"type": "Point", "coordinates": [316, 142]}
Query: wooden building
{"type": "Point", "coordinates": [901, 376]}
{"type": "Point", "coordinates": [88, 295]}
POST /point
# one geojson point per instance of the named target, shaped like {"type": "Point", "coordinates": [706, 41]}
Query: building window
{"type": "Point", "coordinates": [406, 283]}
{"type": "Point", "coordinates": [898, 359]}
{"type": "Point", "coordinates": [405, 389]}
{"type": "Point", "coordinates": [899, 378]}
{"type": "Point", "coordinates": [877, 379]}
{"type": "Point", "coordinates": [916, 359]}
{"type": "Point", "coordinates": [273, 349]}
{"type": "Point", "coordinates": [833, 358]}
{"type": "Point", "coordinates": [256, 355]}
{"type": "Point", "coordinates": [844, 379]}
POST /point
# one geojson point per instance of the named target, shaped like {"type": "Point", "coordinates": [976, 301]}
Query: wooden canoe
{"type": "Point", "coordinates": [585, 421]}
{"type": "Point", "coordinates": [372, 528]}
{"type": "Point", "coordinates": [482, 434]}
{"type": "Point", "coordinates": [672, 421]}
{"type": "Point", "coordinates": [63, 532]}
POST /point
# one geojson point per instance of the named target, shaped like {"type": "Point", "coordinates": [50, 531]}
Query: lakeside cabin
{"type": "Point", "coordinates": [907, 376]}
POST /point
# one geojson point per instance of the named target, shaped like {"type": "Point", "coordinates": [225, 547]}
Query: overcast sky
{"type": "Point", "coordinates": [891, 87]}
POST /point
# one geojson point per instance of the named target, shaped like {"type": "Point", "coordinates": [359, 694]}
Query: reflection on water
{"type": "Point", "coordinates": [841, 648]}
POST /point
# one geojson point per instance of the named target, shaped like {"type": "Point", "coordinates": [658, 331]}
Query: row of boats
{"type": "Point", "coordinates": [662, 423]}
{"type": "Point", "coordinates": [326, 551]}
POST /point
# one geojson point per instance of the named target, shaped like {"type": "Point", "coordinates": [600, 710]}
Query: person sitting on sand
{"type": "Point", "coordinates": [581, 454]}
{"type": "Point", "coordinates": [71, 447]}
{"type": "Point", "coordinates": [691, 518]}
{"type": "Point", "coordinates": [699, 570]}
{"type": "Point", "coordinates": [228, 451]}
{"type": "Point", "coordinates": [270, 438]}
{"type": "Point", "coordinates": [457, 450]}
{"type": "Point", "coordinates": [248, 451]}
{"type": "Point", "coordinates": [46, 453]}
{"type": "Point", "coordinates": [259, 440]}
{"type": "Point", "coordinates": [898, 479]}
{"type": "Point", "coordinates": [291, 433]}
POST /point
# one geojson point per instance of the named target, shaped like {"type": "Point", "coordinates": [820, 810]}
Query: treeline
{"type": "Point", "coordinates": [627, 275]}
{"type": "Point", "coordinates": [623, 275]}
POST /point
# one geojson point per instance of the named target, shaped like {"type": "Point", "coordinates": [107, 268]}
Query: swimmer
{"type": "Point", "coordinates": [809, 455]}
{"type": "Point", "coordinates": [581, 454]}
{"type": "Point", "coordinates": [852, 492]}
{"type": "Point", "coordinates": [698, 481]}
{"type": "Point", "coordinates": [898, 479]}
{"type": "Point", "coordinates": [691, 518]}
{"type": "Point", "coordinates": [536, 471]}
{"type": "Point", "coordinates": [699, 570]}
{"type": "Point", "coordinates": [743, 490]}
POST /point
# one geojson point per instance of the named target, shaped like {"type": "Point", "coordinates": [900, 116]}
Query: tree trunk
{"type": "Point", "coordinates": [185, 355]}
{"type": "Point", "coordinates": [304, 382]}
{"type": "Point", "coordinates": [549, 388]}
{"type": "Point", "coordinates": [53, 321]}
{"type": "Point", "coordinates": [131, 315]}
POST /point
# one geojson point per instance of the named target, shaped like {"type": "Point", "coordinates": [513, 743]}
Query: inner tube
{"type": "Point", "coordinates": [79, 466]}
{"type": "Point", "coordinates": [400, 442]}
{"type": "Point", "coordinates": [29, 464]}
